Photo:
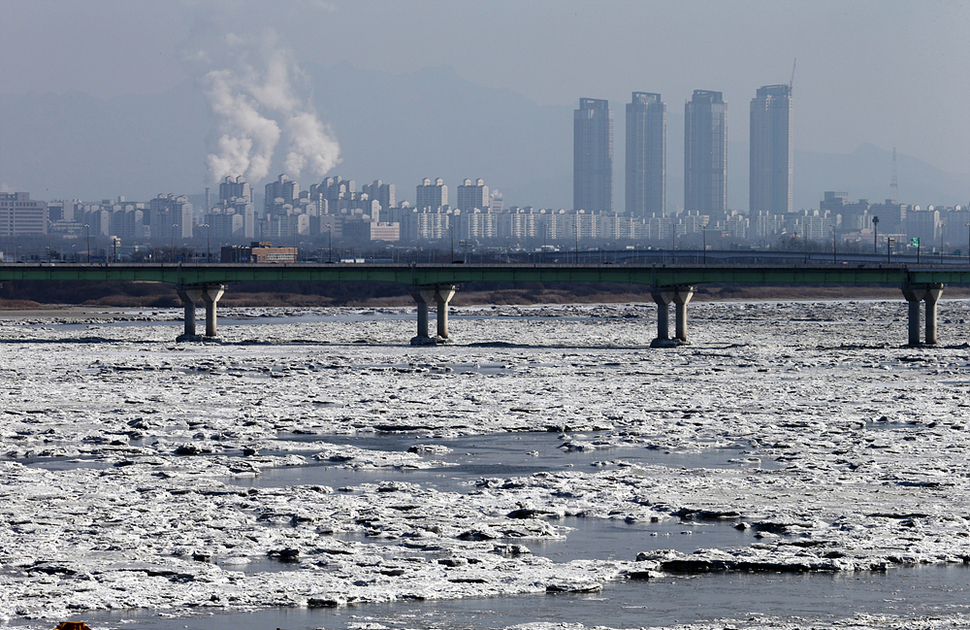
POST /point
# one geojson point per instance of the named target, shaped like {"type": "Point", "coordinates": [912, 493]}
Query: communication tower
{"type": "Point", "coordinates": [893, 183]}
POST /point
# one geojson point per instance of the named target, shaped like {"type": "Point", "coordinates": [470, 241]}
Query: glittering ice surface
{"type": "Point", "coordinates": [138, 473]}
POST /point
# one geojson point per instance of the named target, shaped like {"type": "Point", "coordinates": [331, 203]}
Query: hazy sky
{"type": "Point", "coordinates": [892, 73]}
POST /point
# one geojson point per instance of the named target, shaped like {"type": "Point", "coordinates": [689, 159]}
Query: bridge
{"type": "Point", "coordinates": [437, 283]}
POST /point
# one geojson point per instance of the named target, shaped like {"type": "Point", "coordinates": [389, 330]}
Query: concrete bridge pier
{"type": "Point", "coordinates": [210, 295]}
{"type": "Point", "coordinates": [663, 296]}
{"type": "Point", "coordinates": [190, 296]}
{"type": "Point", "coordinates": [441, 295]}
{"type": "Point", "coordinates": [914, 294]}
{"type": "Point", "coordinates": [682, 296]}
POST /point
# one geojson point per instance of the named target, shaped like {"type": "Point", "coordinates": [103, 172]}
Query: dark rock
{"type": "Point", "coordinates": [285, 555]}
{"type": "Point", "coordinates": [453, 562]}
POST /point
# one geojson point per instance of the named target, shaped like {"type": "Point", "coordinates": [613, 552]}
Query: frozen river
{"type": "Point", "coordinates": [794, 466]}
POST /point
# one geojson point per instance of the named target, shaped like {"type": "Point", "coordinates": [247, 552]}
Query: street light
{"type": "Point", "coordinates": [174, 226]}
{"type": "Point", "coordinates": [673, 242]}
{"type": "Point", "coordinates": [330, 230]}
{"type": "Point", "coordinates": [875, 238]}
{"type": "Point", "coordinates": [87, 233]}
{"type": "Point", "coordinates": [968, 243]}
{"type": "Point", "coordinates": [942, 225]}
{"type": "Point", "coordinates": [577, 237]}
{"type": "Point", "coordinates": [835, 249]}
{"type": "Point", "coordinates": [704, 232]}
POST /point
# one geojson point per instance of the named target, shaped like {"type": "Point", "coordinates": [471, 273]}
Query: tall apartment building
{"type": "Point", "coordinates": [235, 215]}
{"type": "Point", "coordinates": [20, 215]}
{"type": "Point", "coordinates": [235, 188]}
{"type": "Point", "coordinates": [334, 195]}
{"type": "Point", "coordinates": [646, 155]}
{"type": "Point", "coordinates": [430, 195]}
{"type": "Point", "coordinates": [170, 217]}
{"type": "Point", "coordinates": [705, 153]}
{"type": "Point", "coordinates": [771, 150]}
{"type": "Point", "coordinates": [383, 193]}
{"type": "Point", "coordinates": [280, 193]}
{"type": "Point", "coordinates": [472, 196]}
{"type": "Point", "coordinates": [593, 156]}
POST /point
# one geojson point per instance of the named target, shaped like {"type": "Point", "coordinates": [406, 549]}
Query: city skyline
{"type": "Point", "coordinates": [145, 124]}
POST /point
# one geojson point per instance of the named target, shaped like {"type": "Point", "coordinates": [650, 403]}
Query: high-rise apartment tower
{"type": "Point", "coordinates": [646, 155]}
{"type": "Point", "coordinates": [705, 153]}
{"type": "Point", "coordinates": [771, 150]}
{"type": "Point", "coordinates": [593, 156]}
{"type": "Point", "coordinates": [473, 195]}
{"type": "Point", "coordinates": [431, 195]}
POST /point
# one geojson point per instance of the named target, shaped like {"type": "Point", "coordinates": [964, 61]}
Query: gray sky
{"type": "Point", "coordinates": [889, 72]}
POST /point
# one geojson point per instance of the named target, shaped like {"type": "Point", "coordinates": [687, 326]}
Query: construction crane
{"type": "Point", "coordinates": [893, 184]}
{"type": "Point", "coordinates": [791, 82]}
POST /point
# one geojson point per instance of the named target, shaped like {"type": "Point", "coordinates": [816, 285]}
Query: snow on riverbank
{"type": "Point", "coordinates": [870, 439]}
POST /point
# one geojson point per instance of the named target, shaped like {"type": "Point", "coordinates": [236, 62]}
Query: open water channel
{"type": "Point", "coordinates": [929, 592]}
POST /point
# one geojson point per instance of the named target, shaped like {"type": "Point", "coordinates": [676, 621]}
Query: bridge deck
{"type": "Point", "coordinates": [427, 274]}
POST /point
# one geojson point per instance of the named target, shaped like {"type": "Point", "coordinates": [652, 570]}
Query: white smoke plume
{"type": "Point", "coordinates": [252, 91]}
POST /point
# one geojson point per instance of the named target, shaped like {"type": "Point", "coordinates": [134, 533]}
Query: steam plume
{"type": "Point", "coordinates": [251, 92]}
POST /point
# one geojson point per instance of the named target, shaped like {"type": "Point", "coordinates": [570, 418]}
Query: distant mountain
{"type": "Point", "coordinates": [866, 173]}
{"type": "Point", "coordinates": [76, 146]}
{"type": "Point", "coordinates": [397, 128]}
{"type": "Point", "coordinates": [433, 123]}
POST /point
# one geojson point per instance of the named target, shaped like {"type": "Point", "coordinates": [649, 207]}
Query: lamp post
{"type": "Point", "coordinates": [875, 238]}
{"type": "Point", "coordinates": [968, 243]}
{"type": "Point", "coordinates": [704, 232]}
{"type": "Point", "coordinates": [673, 241]}
{"type": "Point", "coordinates": [50, 240]}
{"type": "Point", "coordinates": [174, 226]}
{"type": "Point", "coordinates": [942, 225]}
{"type": "Point", "coordinates": [330, 232]}
{"type": "Point", "coordinates": [835, 250]}
{"type": "Point", "coordinates": [577, 236]}
{"type": "Point", "coordinates": [87, 234]}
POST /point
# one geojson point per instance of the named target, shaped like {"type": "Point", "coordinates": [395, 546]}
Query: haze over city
{"type": "Point", "coordinates": [886, 74]}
